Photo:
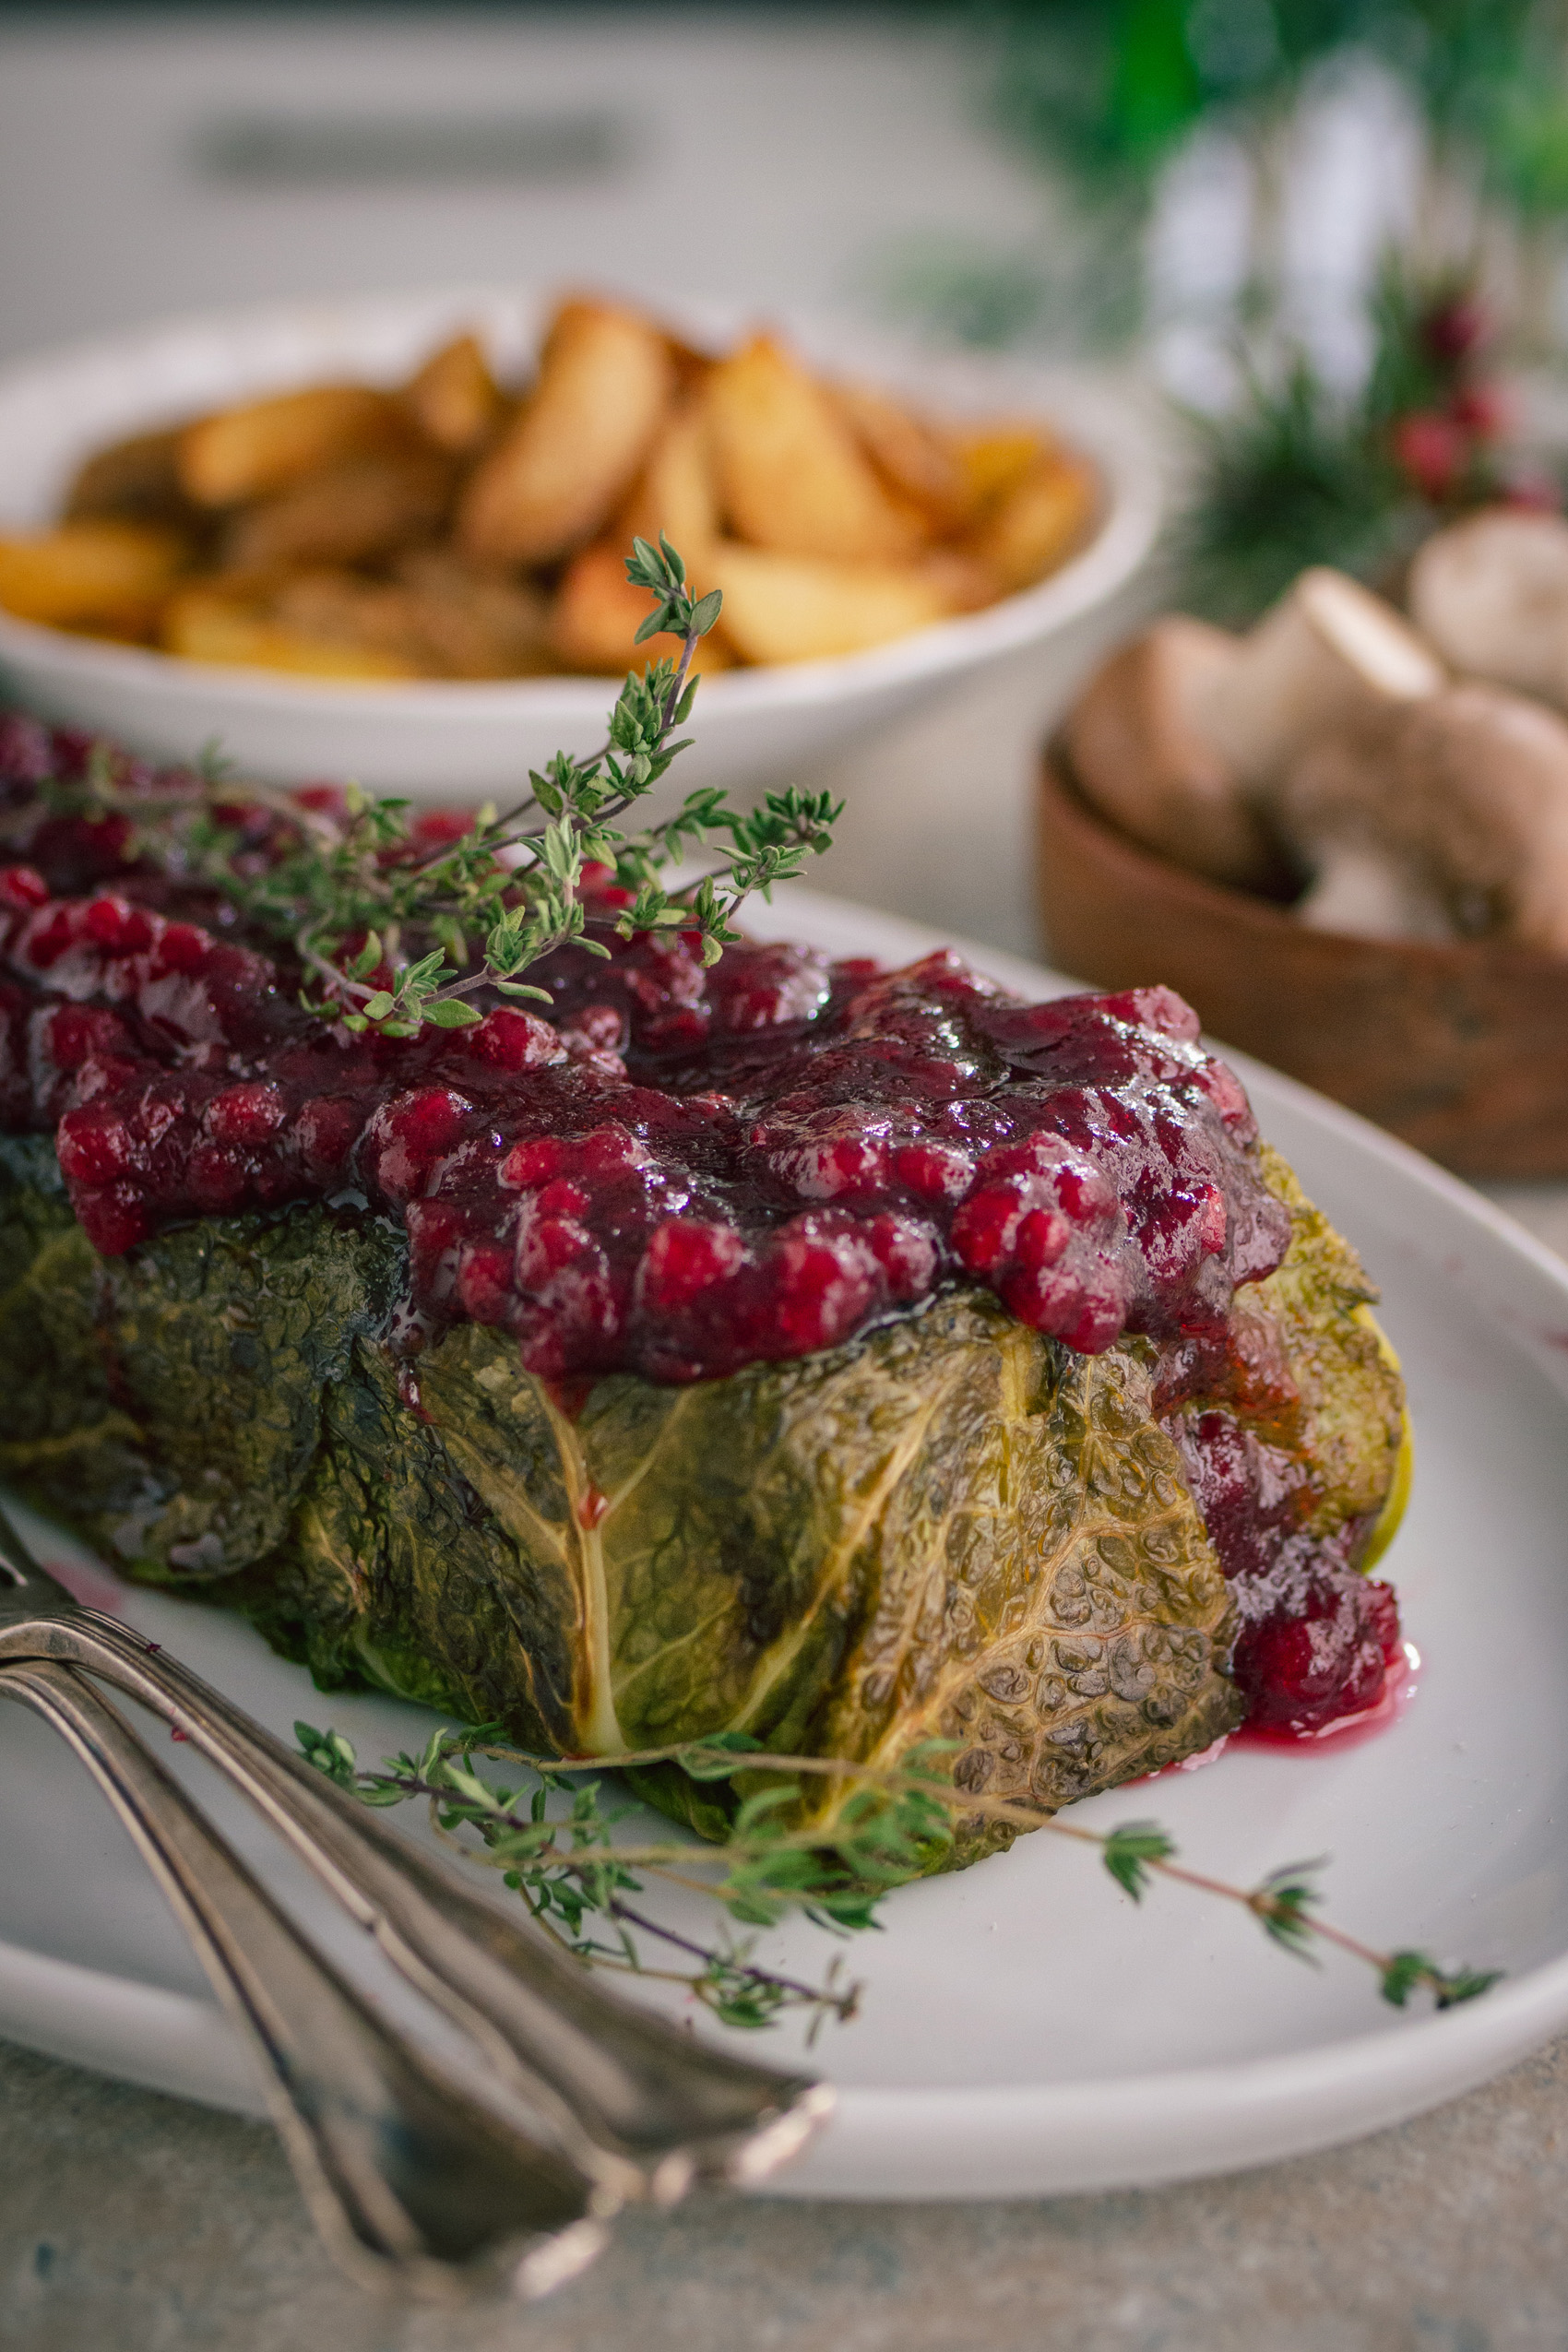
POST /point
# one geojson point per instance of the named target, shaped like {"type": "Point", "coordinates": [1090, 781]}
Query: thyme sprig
{"type": "Point", "coordinates": [891, 1824]}
{"type": "Point", "coordinates": [392, 935]}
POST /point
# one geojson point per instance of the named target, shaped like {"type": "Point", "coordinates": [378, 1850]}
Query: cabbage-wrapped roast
{"type": "Point", "coordinates": [845, 1357]}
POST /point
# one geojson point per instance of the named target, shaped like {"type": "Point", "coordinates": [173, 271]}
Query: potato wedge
{"type": "Point", "coordinates": [676, 492]}
{"type": "Point", "coordinates": [598, 613]}
{"type": "Point", "coordinates": [800, 608]}
{"type": "Point", "coordinates": [131, 481]}
{"type": "Point", "coordinates": [348, 514]}
{"type": "Point", "coordinates": [559, 472]}
{"type": "Point", "coordinates": [84, 574]}
{"type": "Point", "coordinates": [249, 452]}
{"type": "Point", "coordinates": [791, 475]}
{"type": "Point", "coordinates": [216, 626]}
{"type": "Point", "coordinates": [1038, 524]}
{"type": "Point", "coordinates": [453, 400]}
{"type": "Point", "coordinates": [916, 460]}
{"type": "Point", "coordinates": [471, 623]}
{"type": "Point", "coordinates": [996, 459]}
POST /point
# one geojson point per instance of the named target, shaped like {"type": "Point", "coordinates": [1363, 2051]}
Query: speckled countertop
{"type": "Point", "coordinates": [131, 2224]}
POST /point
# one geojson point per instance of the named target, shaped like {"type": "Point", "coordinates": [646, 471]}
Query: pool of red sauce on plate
{"type": "Point", "coordinates": [683, 1172]}
{"type": "Point", "coordinates": [1340, 1732]}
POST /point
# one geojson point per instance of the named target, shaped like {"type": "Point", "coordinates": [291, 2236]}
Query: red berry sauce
{"type": "Point", "coordinates": [680, 1171]}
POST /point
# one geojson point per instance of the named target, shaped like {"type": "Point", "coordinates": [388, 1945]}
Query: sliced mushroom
{"type": "Point", "coordinates": [1491, 592]}
{"type": "Point", "coordinates": [1466, 790]}
{"type": "Point", "coordinates": [1329, 655]}
{"type": "Point", "coordinates": [1140, 758]}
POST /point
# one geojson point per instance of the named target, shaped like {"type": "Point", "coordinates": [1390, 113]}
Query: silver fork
{"type": "Point", "coordinates": [416, 2184]}
{"type": "Point", "coordinates": [633, 2096]}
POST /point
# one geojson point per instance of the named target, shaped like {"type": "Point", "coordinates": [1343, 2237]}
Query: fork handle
{"type": "Point", "coordinates": [414, 2184]}
{"type": "Point", "coordinates": [636, 2086]}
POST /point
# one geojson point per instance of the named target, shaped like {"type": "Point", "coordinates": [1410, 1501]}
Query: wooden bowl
{"type": "Point", "coordinates": [1462, 1049]}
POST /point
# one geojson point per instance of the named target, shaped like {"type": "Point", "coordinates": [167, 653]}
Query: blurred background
{"type": "Point", "coordinates": [1317, 247]}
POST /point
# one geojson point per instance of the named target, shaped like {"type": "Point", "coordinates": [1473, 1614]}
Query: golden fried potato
{"type": "Point", "coordinates": [207, 624]}
{"type": "Point", "coordinates": [453, 400]}
{"type": "Point", "coordinates": [466, 623]}
{"type": "Point", "coordinates": [131, 481]}
{"type": "Point", "coordinates": [605, 382]}
{"type": "Point", "coordinates": [597, 616]}
{"type": "Point", "coordinates": [676, 492]}
{"type": "Point", "coordinates": [350, 513]}
{"type": "Point", "coordinates": [1038, 524]}
{"type": "Point", "coordinates": [800, 608]}
{"type": "Point", "coordinates": [87, 575]}
{"type": "Point", "coordinates": [918, 462]}
{"type": "Point", "coordinates": [791, 475]}
{"type": "Point", "coordinates": [249, 452]}
{"type": "Point", "coordinates": [994, 459]}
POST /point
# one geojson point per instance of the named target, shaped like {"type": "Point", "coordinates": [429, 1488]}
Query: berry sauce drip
{"type": "Point", "coordinates": [1318, 1641]}
{"type": "Point", "coordinates": [681, 1172]}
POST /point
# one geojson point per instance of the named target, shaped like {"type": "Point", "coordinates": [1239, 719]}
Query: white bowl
{"type": "Point", "coordinates": [443, 742]}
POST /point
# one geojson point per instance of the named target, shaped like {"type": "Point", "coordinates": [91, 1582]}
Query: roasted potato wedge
{"type": "Point", "coordinates": [802, 608]}
{"type": "Point", "coordinates": [561, 470]}
{"type": "Point", "coordinates": [996, 459]}
{"type": "Point", "coordinates": [676, 492]}
{"type": "Point", "coordinates": [227, 625]}
{"type": "Point", "coordinates": [791, 475]}
{"type": "Point", "coordinates": [132, 482]}
{"type": "Point", "coordinates": [351, 513]}
{"type": "Point", "coordinates": [87, 575]}
{"type": "Point", "coordinates": [454, 400]}
{"type": "Point", "coordinates": [250, 452]}
{"type": "Point", "coordinates": [1036, 525]}
{"type": "Point", "coordinates": [918, 462]}
{"type": "Point", "coordinates": [472, 623]}
{"type": "Point", "coordinates": [598, 613]}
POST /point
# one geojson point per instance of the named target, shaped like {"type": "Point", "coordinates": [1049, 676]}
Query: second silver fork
{"type": "Point", "coordinates": [665, 2109]}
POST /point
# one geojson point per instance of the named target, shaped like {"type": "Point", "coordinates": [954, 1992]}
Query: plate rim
{"type": "Point", "coordinates": [995, 2140]}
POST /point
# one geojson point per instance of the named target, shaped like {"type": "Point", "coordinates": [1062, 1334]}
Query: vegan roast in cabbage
{"type": "Point", "coordinates": [843, 1357]}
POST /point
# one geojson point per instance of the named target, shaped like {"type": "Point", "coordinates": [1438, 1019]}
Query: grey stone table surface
{"type": "Point", "coordinates": [129, 2223]}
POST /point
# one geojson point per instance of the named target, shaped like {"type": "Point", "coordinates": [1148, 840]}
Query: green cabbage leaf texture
{"type": "Point", "coordinates": [950, 1528]}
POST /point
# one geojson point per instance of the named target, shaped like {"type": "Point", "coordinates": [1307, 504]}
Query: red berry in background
{"type": "Point", "coordinates": [22, 889]}
{"type": "Point", "coordinates": [1484, 410]}
{"type": "Point", "coordinates": [1455, 328]}
{"type": "Point", "coordinates": [1534, 490]}
{"type": "Point", "coordinates": [438, 828]}
{"type": "Point", "coordinates": [1432, 450]}
{"type": "Point", "coordinates": [321, 800]}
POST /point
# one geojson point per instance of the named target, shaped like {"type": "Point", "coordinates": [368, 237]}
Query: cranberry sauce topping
{"type": "Point", "coordinates": [1318, 1641]}
{"type": "Point", "coordinates": [683, 1172]}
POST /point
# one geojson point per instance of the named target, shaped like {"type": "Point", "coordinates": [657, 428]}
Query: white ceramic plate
{"type": "Point", "coordinates": [1026, 2029]}
{"type": "Point", "coordinates": [446, 741]}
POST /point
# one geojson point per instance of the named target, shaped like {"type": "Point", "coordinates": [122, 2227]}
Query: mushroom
{"type": "Point", "coordinates": [1491, 592]}
{"type": "Point", "coordinates": [1330, 654]}
{"type": "Point", "coordinates": [1368, 893]}
{"type": "Point", "coordinates": [1139, 757]}
{"type": "Point", "coordinates": [1463, 793]}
